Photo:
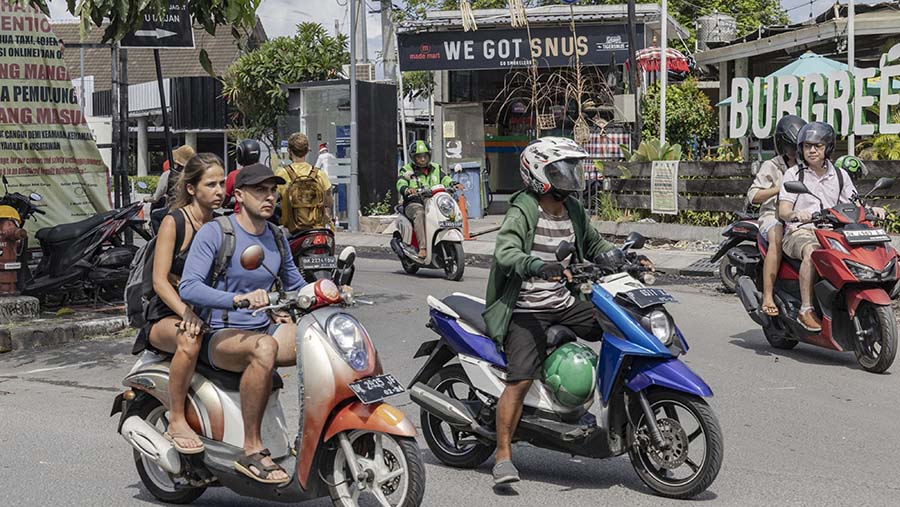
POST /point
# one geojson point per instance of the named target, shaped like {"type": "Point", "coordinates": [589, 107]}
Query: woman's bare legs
{"type": "Point", "coordinates": [166, 336]}
{"type": "Point", "coordinates": [770, 269]}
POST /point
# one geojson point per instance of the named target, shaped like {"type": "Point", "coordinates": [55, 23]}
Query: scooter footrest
{"type": "Point", "coordinates": [563, 431]}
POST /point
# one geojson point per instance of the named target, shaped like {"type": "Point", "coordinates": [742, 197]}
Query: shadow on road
{"type": "Point", "coordinates": [808, 354]}
{"type": "Point", "coordinates": [109, 354]}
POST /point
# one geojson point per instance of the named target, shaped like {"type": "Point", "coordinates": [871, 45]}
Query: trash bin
{"type": "Point", "coordinates": [469, 175]}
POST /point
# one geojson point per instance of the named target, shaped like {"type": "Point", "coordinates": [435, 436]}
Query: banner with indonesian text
{"type": "Point", "coordinates": [45, 144]}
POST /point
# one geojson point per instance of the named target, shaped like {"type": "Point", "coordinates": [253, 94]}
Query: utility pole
{"type": "Point", "coordinates": [663, 69]}
{"type": "Point", "coordinates": [124, 136]}
{"type": "Point", "coordinates": [116, 159]}
{"type": "Point", "coordinates": [632, 75]}
{"type": "Point", "coordinates": [851, 61]}
{"type": "Point", "coordinates": [362, 41]}
{"type": "Point", "coordinates": [353, 194]}
{"type": "Point", "coordinates": [389, 56]}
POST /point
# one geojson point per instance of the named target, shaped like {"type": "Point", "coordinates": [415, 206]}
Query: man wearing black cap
{"type": "Point", "coordinates": [239, 341]}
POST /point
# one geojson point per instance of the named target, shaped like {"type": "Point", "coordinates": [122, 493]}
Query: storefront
{"type": "Point", "coordinates": [499, 87]}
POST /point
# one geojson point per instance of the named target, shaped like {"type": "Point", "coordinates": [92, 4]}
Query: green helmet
{"type": "Point", "coordinates": [418, 148]}
{"type": "Point", "coordinates": [570, 373]}
{"type": "Point", "coordinates": [853, 165]}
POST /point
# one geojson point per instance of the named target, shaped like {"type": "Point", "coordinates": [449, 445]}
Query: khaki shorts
{"type": "Point", "coordinates": [797, 240]}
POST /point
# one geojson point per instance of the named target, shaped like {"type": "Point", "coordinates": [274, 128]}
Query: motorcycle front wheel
{"type": "Point", "coordinates": [876, 349]}
{"type": "Point", "coordinates": [395, 471]}
{"type": "Point", "coordinates": [454, 260]}
{"type": "Point", "coordinates": [690, 462]}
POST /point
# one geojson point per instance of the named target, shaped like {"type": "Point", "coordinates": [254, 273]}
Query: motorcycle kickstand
{"type": "Point", "coordinates": [655, 435]}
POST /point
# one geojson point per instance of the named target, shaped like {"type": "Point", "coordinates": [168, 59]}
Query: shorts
{"type": "Point", "coordinates": [797, 240]}
{"type": "Point", "coordinates": [205, 356]}
{"type": "Point", "coordinates": [766, 225]}
{"type": "Point", "coordinates": [526, 341]}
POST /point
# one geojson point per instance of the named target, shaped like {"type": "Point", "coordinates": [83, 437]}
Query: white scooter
{"type": "Point", "coordinates": [443, 228]}
{"type": "Point", "coordinates": [348, 444]}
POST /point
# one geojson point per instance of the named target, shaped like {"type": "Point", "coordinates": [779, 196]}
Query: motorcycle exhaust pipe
{"type": "Point", "coordinates": [751, 299]}
{"type": "Point", "coordinates": [443, 407]}
{"type": "Point", "coordinates": [147, 440]}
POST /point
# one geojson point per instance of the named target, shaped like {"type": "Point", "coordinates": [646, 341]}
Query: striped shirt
{"type": "Point", "coordinates": [537, 294]}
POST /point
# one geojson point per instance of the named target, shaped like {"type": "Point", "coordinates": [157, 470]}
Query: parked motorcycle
{"type": "Point", "coordinates": [857, 269]}
{"type": "Point", "coordinates": [741, 235]}
{"type": "Point", "coordinates": [349, 442]}
{"type": "Point", "coordinates": [443, 228]}
{"type": "Point", "coordinates": [88, 256]}
{"type": "Point", "coordinates": [652, 403]}
{"type": "Point", "coordinates": [313, 253]}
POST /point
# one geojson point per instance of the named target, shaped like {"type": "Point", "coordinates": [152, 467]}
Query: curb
{"type": "Point", "coordinates": [58, 333]}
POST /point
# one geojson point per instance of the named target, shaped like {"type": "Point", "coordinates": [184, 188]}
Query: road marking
{"type": "Point", "coordinates": [42, 370]}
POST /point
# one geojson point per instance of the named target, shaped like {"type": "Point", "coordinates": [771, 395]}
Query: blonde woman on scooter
{"type": "Point", "coordinates": [172, 326]}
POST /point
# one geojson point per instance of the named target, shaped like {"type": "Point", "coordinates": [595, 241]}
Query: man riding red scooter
{"type": "Point", "coordinates": [839, 295]}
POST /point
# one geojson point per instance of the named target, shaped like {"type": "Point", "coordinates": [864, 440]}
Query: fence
{"type": "Point", "coordinates": [709, 186]}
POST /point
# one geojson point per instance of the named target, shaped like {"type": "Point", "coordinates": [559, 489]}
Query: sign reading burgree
{"type": "Point", "coordinates": [45, 144]}
{"type": "Point", "coordinates": [839, 99]}
{"type": "Point", "coordinates": [501, 49]}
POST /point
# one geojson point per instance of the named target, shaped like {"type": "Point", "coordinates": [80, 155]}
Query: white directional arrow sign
{"type": "Point", "coordinates": [159, 33]}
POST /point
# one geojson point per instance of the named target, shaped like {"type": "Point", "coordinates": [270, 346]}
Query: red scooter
{"type": "Point", "coordinates": [857, 269]}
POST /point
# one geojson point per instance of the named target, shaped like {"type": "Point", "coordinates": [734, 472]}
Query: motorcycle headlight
{"type": "Point", "coordinates": [867, 274]}
{"type": "Point", "coordinates": [660, 325]}
{"type": "Point", "coordinates": [446, 205]}
{"type": "Point", "coordinates": [349, 338]}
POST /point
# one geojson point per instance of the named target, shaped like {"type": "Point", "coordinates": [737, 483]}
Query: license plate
{"type": "Point", "coordinates": [642, 298]}
{"type": "Point", "coordinates": [448, 224]}
{"type": "Point", "coordinates": [318, 262]}
{"type": "Point", "coordinates": [864, 236]}
{"type": "Point", "coordinates": [12, 266]}
{"type": "Point", "coordinates": [374, 389]}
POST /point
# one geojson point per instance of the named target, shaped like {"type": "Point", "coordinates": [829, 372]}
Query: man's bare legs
{"type": "Point", "coordinates": [255, 355]}
{"type": "Point", "coordinates": [807, 316]}
{"type": "Point", "coordinates": [770, 269]}
{"type": "Point", "coordinates": [509, 411]}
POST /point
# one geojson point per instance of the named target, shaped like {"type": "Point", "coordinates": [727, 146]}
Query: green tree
{"type": "Point", "coordinates": [253, 83]}
{"type": "Point", "coordinates": [124, 16]}
{"type": "Point", "coordinates": [690, 119]}
{"type": "Point", "coordinates": [418, 84]}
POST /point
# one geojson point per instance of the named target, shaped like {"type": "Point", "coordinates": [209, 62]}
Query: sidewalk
{"type": "Point", "coordinates": [50, 329]}
{"type": "Point", "coordinates": [481, 249]}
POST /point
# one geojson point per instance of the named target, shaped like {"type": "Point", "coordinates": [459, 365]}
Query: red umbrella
{"type": "Point", "coordinates": [648, 60]}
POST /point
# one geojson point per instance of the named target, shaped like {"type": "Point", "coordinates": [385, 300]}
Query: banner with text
{"type": "Point", "coordinates": [45, 144]}
{"type": "Point", "coordinates": [510, 48]}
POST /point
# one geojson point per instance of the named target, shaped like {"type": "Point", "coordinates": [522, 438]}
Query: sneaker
{"type": "Point", "coordinates": [505, 473]}
{"type": "Point", "coordinates": [810, 321]}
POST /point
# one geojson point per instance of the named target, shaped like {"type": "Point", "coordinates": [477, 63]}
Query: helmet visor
{"type": "Point", "coordinates": [566, 175]}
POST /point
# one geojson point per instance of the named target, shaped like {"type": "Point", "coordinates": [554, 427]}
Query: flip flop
{"type": "Point", "coordinates": [770, 310]}
{"type": "Point", "coordinates": [252, 467]}
{"type": "Point", "coordinates": [171, 437]}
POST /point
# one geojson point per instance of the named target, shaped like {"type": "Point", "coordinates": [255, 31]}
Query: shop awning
{"type": "Point", "coordinates": [648, 60]}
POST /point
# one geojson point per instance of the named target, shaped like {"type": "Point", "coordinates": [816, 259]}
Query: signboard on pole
{"type": "Point", "coordinates": [173, 30]}
{"type": "Point", "coordinates": [664, 187]}
{"type": "Point", "coordinates": [511, 48]}
{"type": "Point", "coordinates": [46, 145]}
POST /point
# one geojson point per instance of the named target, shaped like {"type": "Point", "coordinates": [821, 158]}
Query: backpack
{"type": "Point", "coordinates": [139, 286]}
{"type": "Point", "coordinates": [307, 199]}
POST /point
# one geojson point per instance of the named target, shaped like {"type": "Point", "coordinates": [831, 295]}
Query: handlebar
{"type": "Point", "coordinates": [244, 303]}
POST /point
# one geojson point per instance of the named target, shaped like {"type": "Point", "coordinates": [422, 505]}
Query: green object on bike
{"type": "Point", "coordinates": [570, 373]}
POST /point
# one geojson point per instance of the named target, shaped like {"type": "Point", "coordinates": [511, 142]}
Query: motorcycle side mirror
{"type": "Point", "coordinates": [634, 241]}
{"type": "Point", "coordinates": [36, 196]}
{"type": "Point", "coordinates": [564, 250]}
{"type": "Point", "coordinates": [882, 184]}
{"type": "Point", "coordinates": [796, 187]}
{"type": "Point", "coordinates": [252, 257]}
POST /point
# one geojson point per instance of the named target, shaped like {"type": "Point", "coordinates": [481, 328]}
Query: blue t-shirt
{"type": "Point", "coordinates": [236, 280]}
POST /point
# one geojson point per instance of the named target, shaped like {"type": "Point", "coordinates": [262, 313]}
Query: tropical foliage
{"type": "Point", "coordinates": [690, 119]}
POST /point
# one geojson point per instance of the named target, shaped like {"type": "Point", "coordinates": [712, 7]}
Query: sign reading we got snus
{"type": "Point", "coordinates": [840, 99]}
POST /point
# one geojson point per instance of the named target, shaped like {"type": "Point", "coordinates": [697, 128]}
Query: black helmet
{"type": "Point", "coordinates": [816, 132]}
{"type": "Point", "coordinates": [786, 135]}
{"type": "Point", "coordinates": [247, 152]}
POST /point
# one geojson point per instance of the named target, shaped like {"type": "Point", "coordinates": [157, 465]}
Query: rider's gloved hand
{"type": "Point", "coordinates": [550, 271]}
{"type": "Point", "coordinates": [612, 260]}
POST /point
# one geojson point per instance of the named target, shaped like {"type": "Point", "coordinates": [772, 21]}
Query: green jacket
{"type": "Point", "coordinates": [513, 262]}
{"type": "Point", "coordinates": [420, 179]}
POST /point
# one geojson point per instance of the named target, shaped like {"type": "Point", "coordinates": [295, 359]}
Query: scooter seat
{"type": "Point", "coordinates": [65, 232]}
{"type": "Point", "coordinates": [230, 381]}
{"type": "Point", "coordinates": [468, 310]}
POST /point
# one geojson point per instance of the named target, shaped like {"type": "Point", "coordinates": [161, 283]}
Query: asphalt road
{"type": "Point", "coordinates": [804, 427]}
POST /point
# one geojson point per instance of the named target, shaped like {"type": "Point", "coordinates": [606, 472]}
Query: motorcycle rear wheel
{"type": "Point", "coordinates": [728, 271]}
{"type": "Point", "coordinates": [409, 266]}
{"type": "Point", "coordinates": [444, 441]}
{"type": "Point", "coordinates": [876, 351]}
{"type": "Point", "coordinates": [778, 339]}
{"type": "Point", "coordinates": [657, 467]}
{"type": "Point", "coordinates": [157, 481]}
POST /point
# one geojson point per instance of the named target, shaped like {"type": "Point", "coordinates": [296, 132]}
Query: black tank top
{"type": "Point", "coordinates": [180, 254]}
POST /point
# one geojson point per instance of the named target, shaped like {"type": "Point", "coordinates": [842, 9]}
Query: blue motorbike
{"type": "Point", "coordinates": [651, 404]}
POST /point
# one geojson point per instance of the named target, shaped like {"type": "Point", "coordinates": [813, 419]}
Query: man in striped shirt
{"type": "Point", "coordinates": [527, 290]}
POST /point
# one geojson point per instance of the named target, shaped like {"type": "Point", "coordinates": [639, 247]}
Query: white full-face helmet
{"type": "Point", "coordinates": [553, 164]}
